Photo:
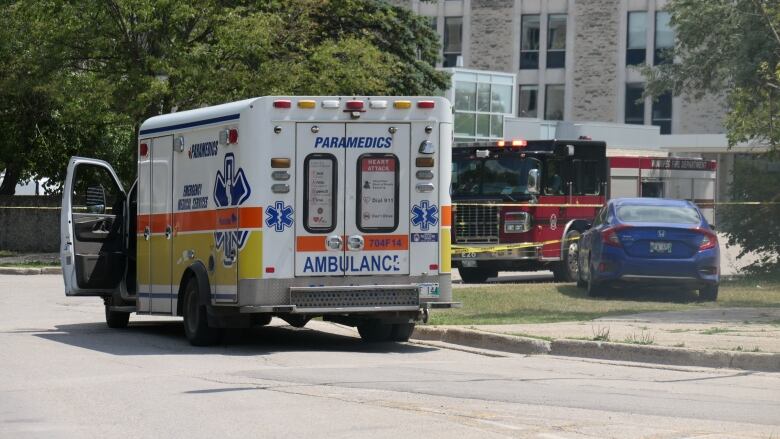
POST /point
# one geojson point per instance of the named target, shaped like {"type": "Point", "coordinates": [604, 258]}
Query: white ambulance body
{"type": "Point", "coordinates": [276, 206]}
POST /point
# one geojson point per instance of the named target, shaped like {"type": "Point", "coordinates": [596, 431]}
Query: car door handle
{"type": "Point", "coordinates": [168, 232]}
{"type": "Point", "coordinates": [334, 242]}
{"type": "Point", "coordinates": [147, 233]}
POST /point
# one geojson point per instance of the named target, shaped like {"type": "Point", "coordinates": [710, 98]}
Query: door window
{"type": "Point", "coordinates": [377, 193]}
{"type": "Point", "coordinates": [320, 185]}
{"type": "Point", "coordinates": [95, 191]}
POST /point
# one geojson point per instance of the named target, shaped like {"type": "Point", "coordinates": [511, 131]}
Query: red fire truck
{"type": "Point", "coordinates": [521, 205]}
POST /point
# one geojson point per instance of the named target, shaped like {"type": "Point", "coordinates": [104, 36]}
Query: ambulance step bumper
{"type": "Point", "coordinates": [356, 296]}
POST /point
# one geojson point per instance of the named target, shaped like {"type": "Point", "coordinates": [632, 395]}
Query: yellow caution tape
{"type": "Point", "coordinates": [458, 249]}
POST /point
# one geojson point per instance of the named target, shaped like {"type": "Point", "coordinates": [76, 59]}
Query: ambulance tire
{"type": "Point", "coordinates": [116, 319]}
{"type": "Point", "coordinates": [476, 275]}
{"type": "Point", "coordinates": [567, 270]}
{"type": "Point", "coordinates": [375, 331]}
{"type": "Point", "coordinates": [196, 322]}
{"type": "Point", "coordinates": [402, 331]}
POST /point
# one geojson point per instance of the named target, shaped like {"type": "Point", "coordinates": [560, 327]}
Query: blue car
{"type": "Point", "coordinates": [650, 241]}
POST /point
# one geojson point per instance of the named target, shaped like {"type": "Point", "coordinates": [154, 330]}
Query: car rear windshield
{"type": "Point", "coordinates": [633, 213]}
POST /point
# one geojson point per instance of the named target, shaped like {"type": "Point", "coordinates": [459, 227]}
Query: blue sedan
{"type": "Point", "coordinates": [650, 241]}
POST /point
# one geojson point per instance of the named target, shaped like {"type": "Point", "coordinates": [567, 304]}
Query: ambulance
{"type": "Point", "coordinates": [293, 207]}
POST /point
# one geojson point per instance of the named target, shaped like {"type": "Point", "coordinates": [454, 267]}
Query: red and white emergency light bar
{"type": "Point", "coordinates": [352, 105]}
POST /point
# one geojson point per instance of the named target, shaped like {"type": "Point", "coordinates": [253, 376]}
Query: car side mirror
{"type": "Point", "coordinates": [712, 226]}
{"type": "Point", "coordinates": [533, 181]}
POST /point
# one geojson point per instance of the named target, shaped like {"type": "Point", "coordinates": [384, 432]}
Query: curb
{"type": "Point", "coordinates": [29, 271]}
{"type": "Point", "coordinates": [482, 340]}
{"type": "Point", "coordinates": [765, 362]}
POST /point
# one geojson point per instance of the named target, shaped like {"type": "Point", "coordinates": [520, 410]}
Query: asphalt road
{"type": "Point", "coordinates": [64, 374]}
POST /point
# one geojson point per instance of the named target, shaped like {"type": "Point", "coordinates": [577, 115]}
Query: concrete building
{"type": "Point", "coordinates": [573, 60]}
{"type": "Point", "coordinates": [576, 66]}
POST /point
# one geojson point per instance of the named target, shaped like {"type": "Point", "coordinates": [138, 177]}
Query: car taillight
{"type": "Point", "coordinates": [609, 236]}
{"type": "Point", "coordinates": [710, 240]}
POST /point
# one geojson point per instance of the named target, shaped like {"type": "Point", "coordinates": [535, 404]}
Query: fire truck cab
{"type": "Point", "coordinates": [522, 205]}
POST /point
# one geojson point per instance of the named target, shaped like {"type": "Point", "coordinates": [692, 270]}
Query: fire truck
{"type": "Point", "coordinates": [521, 205]}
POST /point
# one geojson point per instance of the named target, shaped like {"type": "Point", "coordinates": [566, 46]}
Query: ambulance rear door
{"type": "Point", "coordinates": [377, 199]}
{"type": "Point", "coordinates": [352, 199]}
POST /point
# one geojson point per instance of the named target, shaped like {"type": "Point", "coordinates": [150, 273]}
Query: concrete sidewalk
{"type": "Point", "coordinates": [729, 329]}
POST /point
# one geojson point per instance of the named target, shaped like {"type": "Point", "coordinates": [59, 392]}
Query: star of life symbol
{"type": "Point", "coordinates": [425, 215]}
{"type": "Point", "coordinates": [230, 189]}
{"type": "Point", "coordinates": [279, 216]}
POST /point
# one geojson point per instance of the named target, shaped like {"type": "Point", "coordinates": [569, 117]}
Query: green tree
{"type": "Point", "coordinates": [79, 76]}
{"type": "Point", "coordinates": [732, 48]}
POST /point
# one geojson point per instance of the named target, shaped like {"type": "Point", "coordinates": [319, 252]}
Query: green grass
{"type": "Point", "coordinates": [6, 253]}
{"type": "Point", "coordinates": [716, 330]}
{"type": "Point", "coordinates": [547, 302]}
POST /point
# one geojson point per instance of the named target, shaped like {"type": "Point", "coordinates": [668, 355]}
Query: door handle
{"type": "Point", "coordinates": [147, 233]}
{"type": "Point", "coordinates": [168, 232]}
{"type": "Point", "coordinates": [334, 242]}
{"type": "Point", "coordinates": [355, 242]}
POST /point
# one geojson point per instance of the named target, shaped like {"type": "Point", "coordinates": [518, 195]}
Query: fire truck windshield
{"type": "Point", "coordinates": [500, 175]}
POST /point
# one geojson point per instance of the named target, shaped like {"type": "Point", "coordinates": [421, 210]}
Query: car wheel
{"type": "Point", "coordinates": [116, 319]}
{"type": "Point", "coordinates": [709, 293]}
{"type": "Point", "coordinates": [568, 269]}
{"type": "Point", "coordinates": [582, 283]}
{"type": "Point", "coordinates": [475, 275]}
{"type": "Point", "coordinates": [375, 331]}
{"type": "Point", "coordinates": [196, 324]}
{"type": "Point", "coordinates": [593, 288]}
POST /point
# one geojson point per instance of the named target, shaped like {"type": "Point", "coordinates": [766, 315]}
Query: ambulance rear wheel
{"type": "Point", "coordinates": [375, 331]}
{"type": "Point", "coordinates": [196, 323]}
{"type": "Point", "coordinates": [116, 319]}
{"type": "Point", "coordinates": [472, 275]}
{"type": "Point", "coordinates": [402, 331]}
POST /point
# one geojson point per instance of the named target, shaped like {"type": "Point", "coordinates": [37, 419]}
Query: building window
{"type": "Point", "coordinates": [662, 112]}
{"type": "Point", "coordinates": [635, 104]}
{"type": "Point", "coordinates": [553, 102]}
{"type": "Point", "coordinates": [528, 101]}
{"type": "Point", "coordinates": [637, 38]}
{"type": "Point", "coordinates": [664, 38]}
{"type": "Point", "coordinates": [453, 38]}
{"type": "Point", "coordinates": [481, 103]}
{"type": "Point", "coordinates": [529, 41]}
{"type": "Point", "coordinates": [556, 41]}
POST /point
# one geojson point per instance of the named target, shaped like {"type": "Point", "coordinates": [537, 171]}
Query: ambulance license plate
{"type": "Point", "coordinates": [660, 247]}
{"type": "Point", "coordinates": [429, 290]}
{"type": "Point", "coordinates": [468, 263]}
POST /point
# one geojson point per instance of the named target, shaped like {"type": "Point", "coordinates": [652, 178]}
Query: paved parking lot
{"type": "Point", "coordinates": [64, 374]}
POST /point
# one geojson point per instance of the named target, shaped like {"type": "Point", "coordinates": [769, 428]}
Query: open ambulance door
{"type": "Point", "coordinates": [92, 229]}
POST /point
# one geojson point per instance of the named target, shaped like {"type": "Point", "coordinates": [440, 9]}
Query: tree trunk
{"type": "Point", "coordinates": [8, 187]}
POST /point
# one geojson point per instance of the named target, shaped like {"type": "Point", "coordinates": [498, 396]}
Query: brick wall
{"type": "Point", "coordinates": [594, 95]}
{"type": "Point", "coordinates": [491, 35]}
{"type": "Point", "coordinates": [30, 224]}
{"type": "Point", "coordinates": [702, 116]}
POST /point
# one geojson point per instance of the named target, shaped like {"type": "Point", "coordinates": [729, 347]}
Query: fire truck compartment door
{"type": "Point", "coordinates": [92, 232]}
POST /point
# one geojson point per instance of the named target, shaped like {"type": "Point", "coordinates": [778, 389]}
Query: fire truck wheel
{"type": "Point", "coordinates": [196, 324]}
{"type": "Point", "coordinates": [116, 319]}
{"type": "Point", "coordinates": [375, 331]}
{"type": "Point", "coordinates": [476, 275]}
{"type": "Point", "coordinates": [402, 331]}
{"type": "Point", "coordinates": [567, 270]}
